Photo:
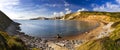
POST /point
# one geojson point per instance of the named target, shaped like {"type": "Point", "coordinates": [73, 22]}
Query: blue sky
{"type": "Point", "coordinates": [25, 9]}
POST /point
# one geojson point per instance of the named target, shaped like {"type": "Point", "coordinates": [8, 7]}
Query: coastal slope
{"type": "Point", "coordinates": [106, 39]}
{"type": "Point", "coordinates": [110, 41]}
{"type": "Point", "coordinates": [8, 42]}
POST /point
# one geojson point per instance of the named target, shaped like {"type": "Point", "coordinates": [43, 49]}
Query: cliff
{"type": "Point", "coordinates": [4, 21]}
{"type": "Point", "coordinates": [87, 15]}
{"type": "Point", "coordinates": [8, 42]}
{"type": "Point", "coordinates": [110, 42]}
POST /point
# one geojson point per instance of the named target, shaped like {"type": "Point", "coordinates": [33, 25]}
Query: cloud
{"type": "Point", "coordinates": [8, 3]}
{"type": "Point", "coordinates": [51, 5]}
{"type": "Point", "coordinates": [109, 7]}
{"type": "Point", "coordinates": [68, 10]}
{"type": "Point", "coordinates": [82, 9]}
{"type": "Point", "coordinates": [62, 14]}
{"type": "Point", "coordinates": [7, 6]}
{"type": "Point", "coordinates": [55, 14]}
{"type": "Point", "coordinates": [15, 10]}
{"type": "Point", "coordinates": [59, 14]}
{"type": "Point", "coordinates": [66, 4]}
{"type": "Point", "coordinates": [118, 1]}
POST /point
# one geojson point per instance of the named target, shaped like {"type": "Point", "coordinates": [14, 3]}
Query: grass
{"type": "Point", "coordinates": [36, 49]}
{"type": "Point", "coordinates": [106, 43]}
{"type": "Point", "coordinates": [116, 33]}
{"type": "Point", "coordinates": [99, 44]}
{"type": "Point", "coordinates": [10, 42]}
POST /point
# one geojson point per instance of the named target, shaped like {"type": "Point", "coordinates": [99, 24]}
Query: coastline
{"type": "Point", "coordinates": [69, 43]}
{"type": "Point", "coordinates": [30, 42]}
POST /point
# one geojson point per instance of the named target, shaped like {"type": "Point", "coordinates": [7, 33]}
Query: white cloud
{"type": "Point", "coordinates": [51, 5]}
{"type": "Point", "coordinates": [55, 14]}
{"type": "Point", "coordinates": [7, 6]}
{"type": "Point", "coordinates": [82, 9]}
{"type": "Point", "coordinates": [5, 3]}
{"type": "Point", "coordinates": [59, 14]}
{"type": "Point", "coordinates": [109, 7]}
{"type": "Point", "coordinates": [66, 4]}
{"type": "Point", "coordinates": [62, 14]}
{"type": "Point", "coordinates": [68, 10]}
{"type": "Point", "coordinates": [118, 1]}
{"type": "Point", "coordinates": [10, 9]}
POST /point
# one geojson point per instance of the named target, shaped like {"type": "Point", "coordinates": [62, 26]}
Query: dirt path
{"type": "Point", "coordinates": [105, 30]}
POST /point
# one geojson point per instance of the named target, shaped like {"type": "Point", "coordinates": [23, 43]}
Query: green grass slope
{"type": "Point", "coordinates": [114, 16]}
{"type": "Point", "coordinates": [106, 43]}
{"type": "Point", "coordinates": [10, 42]}
{"type": "Point", "coordinates": [100, 44]}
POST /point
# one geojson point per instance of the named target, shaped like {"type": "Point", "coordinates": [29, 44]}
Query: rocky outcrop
{"type": "Point", "coordinates": [5, 21]}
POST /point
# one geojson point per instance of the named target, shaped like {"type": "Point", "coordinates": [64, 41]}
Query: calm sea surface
{"type": "Point", "coordinates": [50, 28]}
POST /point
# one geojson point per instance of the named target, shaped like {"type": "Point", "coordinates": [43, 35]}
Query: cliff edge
{"type": "Point", "coordinates": [8, 42]}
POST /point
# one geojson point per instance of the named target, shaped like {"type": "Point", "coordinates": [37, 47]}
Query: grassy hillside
{"type": "Point", "coordinates": [109, 16]}
{"type": "Point", "coordinates": [100, 44]}
{"type": "Point", "coordinates": [106, 43]}
{"type": "Point", "coordinates": [8, 42]}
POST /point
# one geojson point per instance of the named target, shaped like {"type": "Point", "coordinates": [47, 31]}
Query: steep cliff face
{"type": "Point", "coordinates": [5, 21]}
{"type": "Point", "coordinates": [8, 42]}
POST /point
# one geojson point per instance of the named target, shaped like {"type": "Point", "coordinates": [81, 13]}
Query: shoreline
{"type": "Point", "coordinates": [33, 42]}
{"type": "Point", "coordinates": [30, 42]}
{"type": "Point", "coordinates": [83, 35]}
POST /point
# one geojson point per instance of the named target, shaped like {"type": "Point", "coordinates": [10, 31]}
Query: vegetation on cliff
{"type": "Point", "coordinates": [106, 43]}
{"type": "Point", "coordinates": [109, 16]}
{"type": "Point", "coordinates": [112, 42]}
{"type": "Point", "coordinates": [8, 42]}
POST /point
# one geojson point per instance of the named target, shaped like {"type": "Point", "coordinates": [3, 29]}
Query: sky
{"type": "Point", "coordinates": [25, 9]}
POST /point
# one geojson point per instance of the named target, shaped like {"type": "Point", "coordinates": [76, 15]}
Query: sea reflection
{"type": "Point", "coordinates": [50, 28]}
